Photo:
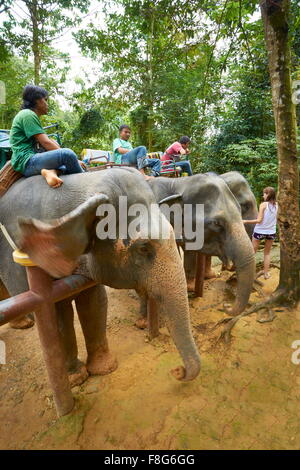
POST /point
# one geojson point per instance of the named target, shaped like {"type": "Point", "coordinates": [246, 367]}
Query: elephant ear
{"type": "Point", "coordinates": [56, 246]}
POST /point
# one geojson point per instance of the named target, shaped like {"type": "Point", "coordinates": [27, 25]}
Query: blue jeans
{"type": "Point", "coordinates": [64, 160]}
{"type": "Point", "coordinates": [186, 167]}
{"type": "Point", "coordinates": [137, 158]}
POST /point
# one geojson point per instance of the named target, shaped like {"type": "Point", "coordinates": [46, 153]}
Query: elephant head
{"type": "Point", "coordinates": [240, 188]}
{"type": "Point", "coordinates": [224, 232]}
{"type": "Point", "coordinates": [150, 265]}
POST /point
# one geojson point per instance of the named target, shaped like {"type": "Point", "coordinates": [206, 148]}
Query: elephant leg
{"type": "Point", "coordinates": [190, 269]}
{"type": "Point", "coordinates": [141, 322]}
{"type": "Point", "coordinates": [76, 369]}
{"type": "Point", "coordinates": [20, 323]}
{"type": "Point", "coordinates": [91, 307]}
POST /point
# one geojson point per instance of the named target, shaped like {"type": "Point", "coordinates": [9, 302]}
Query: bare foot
{"type": "Point", "coordinates": [148, 177]}
{"type": "Point", "coordinates": [79, 376]}
{"type": "Point", "coordinates": [260, 273]}
{"type": "Point", "coordinates": [228, 308]}
{"type": "Point", "coordinates": [179, 372]}
{"type": "Point", "coordinates": [101, 363]}
{"type": "Point", "coordinates": [51, 177]}
{"type": "Point", "coordinates": [21, 323]}
{"type": "Point", "coordinates": [267, 275]}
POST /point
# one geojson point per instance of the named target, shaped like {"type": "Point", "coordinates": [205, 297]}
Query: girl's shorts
{"type": "Point", "coordinates": [264, 236]}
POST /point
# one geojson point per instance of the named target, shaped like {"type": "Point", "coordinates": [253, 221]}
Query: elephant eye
{"type": "Point", "coordinates": [144, 248]}
{"type": "Point", "coordinates": [216, 225]}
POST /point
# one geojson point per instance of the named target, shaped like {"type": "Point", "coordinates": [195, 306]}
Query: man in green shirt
{"type": "Point", "coordinates": [27, 131]}
{"type": "Point", "coordinates": [126, 154]}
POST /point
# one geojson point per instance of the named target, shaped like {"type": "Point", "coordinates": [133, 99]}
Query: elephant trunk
{"type": "Point", "coordinates": [169, 290]}
{"type": "Point", "coordinates": [250, 228]}
{"type": "Point", "coordinates": [241, 252]}
{"type": "Point", "coordinates": [177, 319]}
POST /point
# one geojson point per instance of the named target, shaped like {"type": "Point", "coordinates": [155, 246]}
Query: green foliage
{"type": "Point", "coordinates": [15, 73]}
{"type": "Point", "coordinates": [42, 23]}
{"type": "Point", "coordinates": [164, 55]}
{"type": "Point", "coordinates": [255, 159]}
{"type": "Point", "coordinates": [191, 68]}
{"type": "Point", "coordinates": [95, 120]}
{"type": "Point", "coordinates": [90, 123]}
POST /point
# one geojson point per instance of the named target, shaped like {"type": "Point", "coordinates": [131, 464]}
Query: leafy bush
{"type": "Point", "coordinates": [256, 159]}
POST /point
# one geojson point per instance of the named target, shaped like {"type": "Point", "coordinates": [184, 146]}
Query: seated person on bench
{"type": "Point", "coordinates": [179, 148]}
{"type": "Point", "coordinates": [27, 131]}
{"type": "Point", "coordinates": [124, 153]}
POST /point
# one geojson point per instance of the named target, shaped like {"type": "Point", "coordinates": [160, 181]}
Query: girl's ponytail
{"type": "Point", "coordinates": [271, 194]}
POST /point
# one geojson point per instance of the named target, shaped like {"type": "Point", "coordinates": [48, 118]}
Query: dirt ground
{"type": "Point", "coordinates": [246, 396]}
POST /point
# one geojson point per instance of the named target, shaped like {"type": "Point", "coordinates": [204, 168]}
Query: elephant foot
{"type": "Point", "coordinates": [101, 362]}
{"type": "Point", "coordinates": [141, 323]}
{"type": "Point", "coordinates": [22, 323]}
{"type": "Point", "coordinates": [79, 376]}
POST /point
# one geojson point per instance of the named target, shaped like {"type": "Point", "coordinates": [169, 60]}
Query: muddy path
{"type": "Point", "coordinates": [246, 397]}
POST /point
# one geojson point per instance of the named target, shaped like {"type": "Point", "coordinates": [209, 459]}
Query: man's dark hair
{"type": "Point", "coordinates": [31, 94]}
{"type": "Point", "coordinates": [124, 126]}
{"type": "Point", "coordinates": [184, 139]}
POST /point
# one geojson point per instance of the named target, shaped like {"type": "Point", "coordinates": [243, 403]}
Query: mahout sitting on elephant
{"type": "Point", "coordinates": [59, 230]}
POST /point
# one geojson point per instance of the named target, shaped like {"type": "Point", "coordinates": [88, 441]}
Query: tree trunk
{"type": "Point", "coordinates": [275, 18]}
{"type": "Point", "coordinates": [150, 122]}
{"type": "Point", "coordinates": [33, 10]}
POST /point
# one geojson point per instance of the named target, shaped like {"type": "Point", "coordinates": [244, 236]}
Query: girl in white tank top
{"type": "Point", "coordinates": [265, 228]}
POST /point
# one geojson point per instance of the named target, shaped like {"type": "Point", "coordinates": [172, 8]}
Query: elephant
{"type": "Point", "coordinates": [63, 231]}
{"type": "Point", "coordinates": [241, 190]}
{"type": "Point", "coordinates": [224, 232]}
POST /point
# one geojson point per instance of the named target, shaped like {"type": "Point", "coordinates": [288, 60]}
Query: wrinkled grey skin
{"type": "Point", "coordinates": [241, 190]}
{"type": "Point", "coordinates": [149, 266]}
{"type": "Point", "coordinates": [224, 232]}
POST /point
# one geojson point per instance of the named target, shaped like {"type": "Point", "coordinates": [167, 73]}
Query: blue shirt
{"type": "Point", "coordinates": [124, 144]}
